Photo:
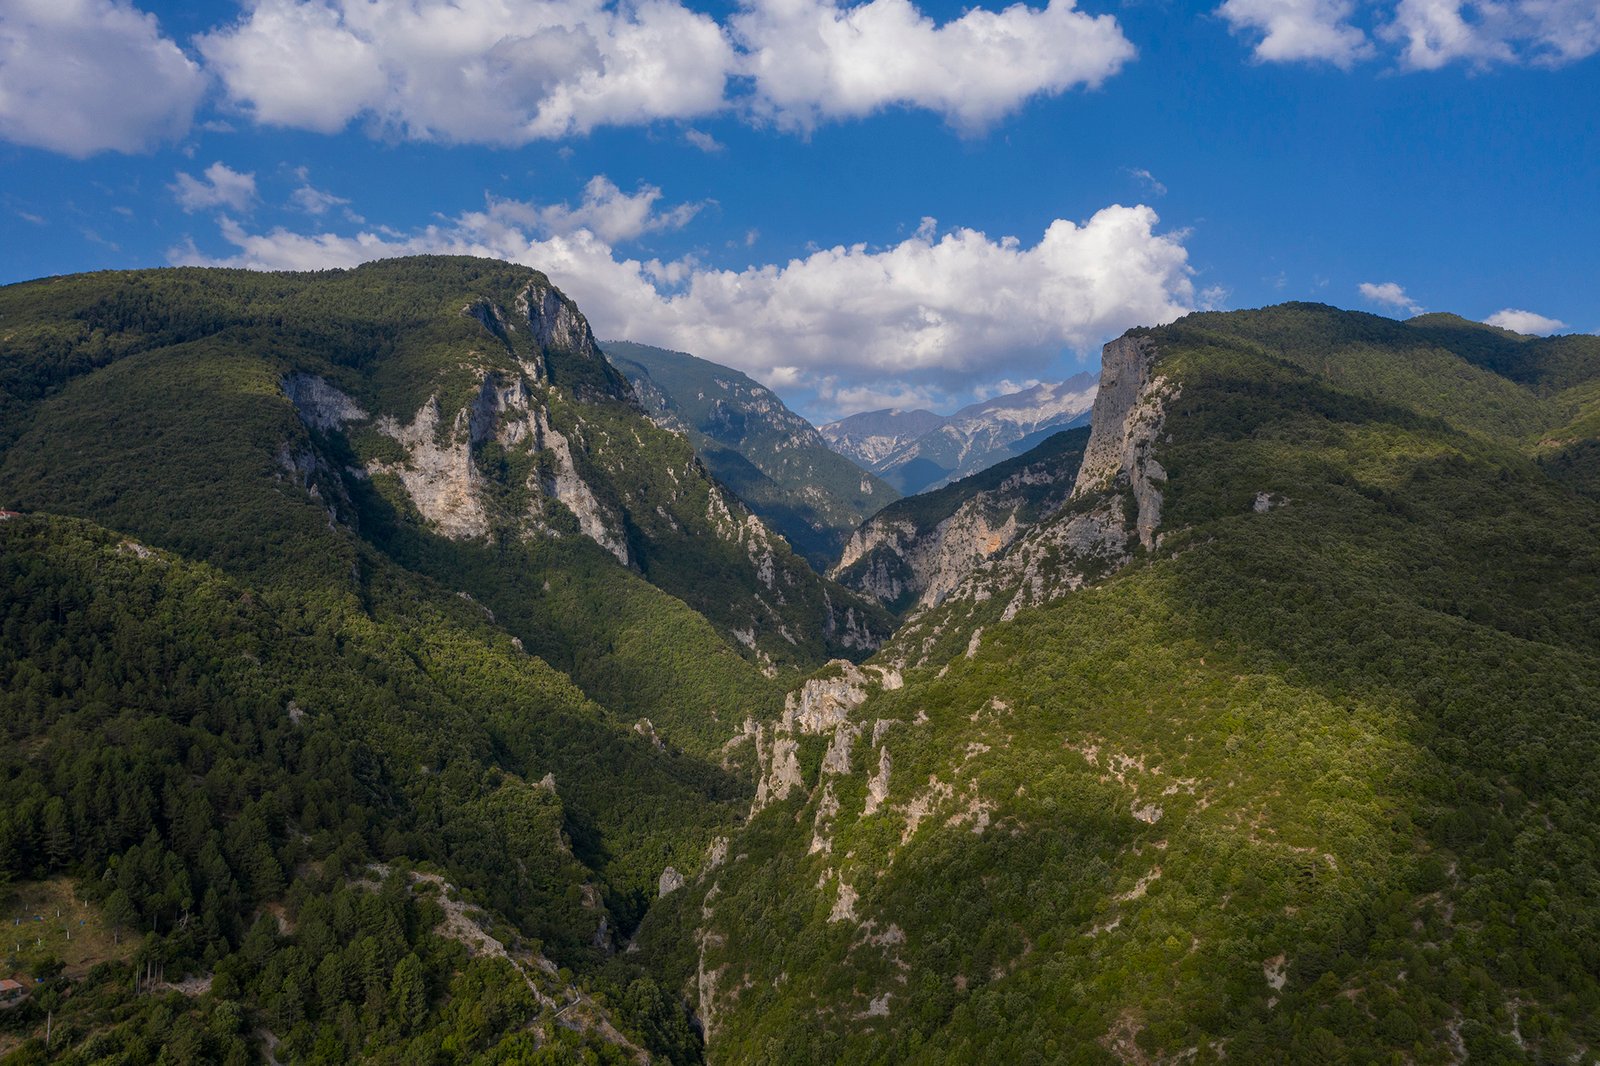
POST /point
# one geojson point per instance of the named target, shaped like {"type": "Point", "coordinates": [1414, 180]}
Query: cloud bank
{"type": "Point", "coordinates": [937, 311]}
{"type": "Point", "coordinates": [87, 76]}
{"type": "Point", "coordinates": [513, 71]}
{"type": "Point", "coordinates": [1425, 34]}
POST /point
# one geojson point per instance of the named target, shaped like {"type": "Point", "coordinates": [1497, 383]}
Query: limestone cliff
{"type": "Point", "coordinates": [1112, 509]}
{"type": "Point", "coordinates": [517, 429]}
{"type": "Point", "coordinates": [915, 553]}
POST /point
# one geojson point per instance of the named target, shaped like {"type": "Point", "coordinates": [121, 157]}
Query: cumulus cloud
{"type": "Point", "coordinates": [1525, 322]}
{"type": "Point", "coordinates": [222, 186]}
{"type": "Point", "coordinates": [514, 71]}
{"type": "Point", "coordinates": [814, 58]}
{"type": "Point", "coordinates": [606, 211]}
{"type": "Point", "coordinates": [1434, 33]}
{"type": "Point", "coordinates": [1390, 294]}
{"type": "Point", "coordinates": [934, 311]}
{"type": "Point", "coordinates": [87, 76]}
{"type": "Point", "coordinates": [484, 71]}
{"type": "Point", "coordinates": [1305, 30]}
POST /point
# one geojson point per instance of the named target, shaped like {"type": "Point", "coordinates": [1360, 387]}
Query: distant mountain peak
{"type": "Point", "coordinates": [918, 450]}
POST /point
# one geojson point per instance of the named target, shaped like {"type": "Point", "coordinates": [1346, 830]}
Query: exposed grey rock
{"type": "Point", "coordinates": [837, 759]}
{"type": "Point", "coordinates": [671, 880]}
{"type": "Point", "coordinates": [438, 474]}
{"type": "Point", "coordinates": [844, 908]}
{"type": "Point", "coordinates": [1128, 415]}
{"type": "Point", "coordinates": [555, 320]}
{"type": "Point", "coordinates": [319, 404]}
{"type": "Point", "coordinates": [821, 834]}
{"type": "Point", "coordinates": [647, 729]}
{"type": "Point", "coordinates": [822, 703]}
{"type": "Point", "coordinates": [594, 520]}
{"type": "Point", "coordinates": [878, 784]}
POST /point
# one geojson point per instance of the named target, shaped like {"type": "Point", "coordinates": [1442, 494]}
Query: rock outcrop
{"type": "Point", "coordinates": [1129, 413]}
{"type": "Point", "coordinates": [914, 554]}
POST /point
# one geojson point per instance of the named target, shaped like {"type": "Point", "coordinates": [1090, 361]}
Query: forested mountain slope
{"type": "Point", "coordinates": [1279, 742]}
{"type": "Point", "coordinates": [368, 825]}
{"type": "Point", "coordinates": [388, 568]}
{"type": "Point", "coordinates": [454, 414]}
{"type": "Point", "coordinates": [774, 460]}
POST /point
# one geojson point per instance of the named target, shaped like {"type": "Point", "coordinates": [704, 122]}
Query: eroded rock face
{"type": "Point", "coordinates": [908, 563]}
{"type": "Point", "coordinates": [596, 522]}
{"type": "Point", "coordinates": [319, 404]}
{"type": "Point", "coordinates": [822, 705]}
{"type": "Point", "coordinates": [555, 322]}
{"type": "Point", "coordinates": [931, 566]}
{"type": "Point", "coordinates": [1090, 536]}
{"type": "Point", "coordinates": [438, 472]}
{"type": "Point", "coordinates": [1129, 413]}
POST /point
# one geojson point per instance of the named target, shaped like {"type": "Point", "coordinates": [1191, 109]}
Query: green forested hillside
{"type": "Point", "coordinates": [222, 767]}
{"type": "Point", "coordinates": [372, 672]}
{"type": "Point", "coordinates": [156, 403]}
{"type": "Point", "coordinates": [201, 415]}
{"type": "Point", "coordinates": [1312, 779]}
{"type": "Point", "coordinates": [772, 458]}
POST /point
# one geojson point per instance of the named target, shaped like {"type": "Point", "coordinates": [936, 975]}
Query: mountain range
{"type": "Point", "coordinates": [770, 457]}
{"type": "Point", "coordinates": [918, 450]}
{"type": "Point", "coordinates": [385, 677]}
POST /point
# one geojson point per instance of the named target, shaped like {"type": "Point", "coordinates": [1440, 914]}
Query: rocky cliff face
{"type": "Point", "coordinates": [525, 431]}
{"type": "Point", "coordinates": [915, 553]}
{"type": "Point", "coordinates": [1128, 416]}
{"type": "Point", "coordinates": [894, 562]}
{"type": "Point", "coordinates": [1113, 508]}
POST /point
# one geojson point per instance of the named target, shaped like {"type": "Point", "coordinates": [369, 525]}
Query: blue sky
{"type": "Point", "coordinates": [859, 204]}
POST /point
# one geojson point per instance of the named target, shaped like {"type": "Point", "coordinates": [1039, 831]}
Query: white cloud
{"type": "Point", "coordinates": [931, 312]}
{"type": "Point", "coordinates": [222, 186]}
{"type": "Point", "coordinates": [315, 201]}
{"type": "Point", "coordinates": [703, 141]}
{"type": "Point", "coordinates": [606, 211]}
{"type": "Point", "coordinates": [514, 71]}
{"type": "Point", "coordinates": [1306, 30]}
{"type": "Point", "coordinates": [86, 76]}
{"type": "Point", "coordinates": [851, 399]}
{"type": "Point", "coordinates": [1434, 33]}
{"type": "Point", "coordinates": [1391, 295]}
{"type": "Point", "coordinates": [484, 71]}
{"type": "Point", "coordinates": [1429, 34]}
{"type": "Point", "coordinates": [813, 59]}
{"type": "Point", "coordinates": [1148, 180]}
{"type": "Point", "coordinates": [1525, 322]}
